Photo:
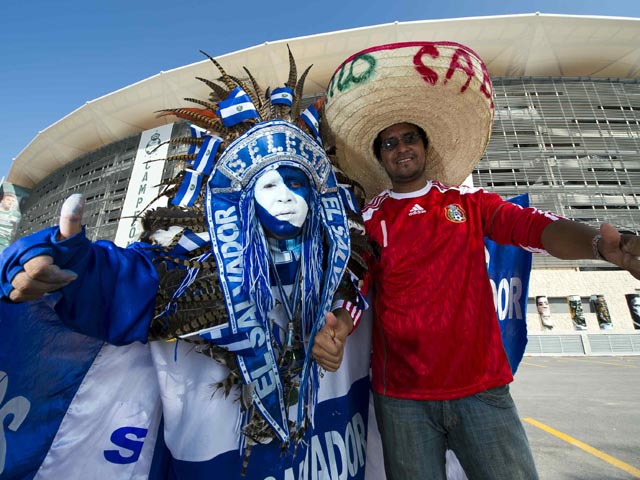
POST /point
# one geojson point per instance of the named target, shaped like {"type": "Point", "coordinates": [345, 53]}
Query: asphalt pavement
{"type": "Point", "coordinates": [582, 415]}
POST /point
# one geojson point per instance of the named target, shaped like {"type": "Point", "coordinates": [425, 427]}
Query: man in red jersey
{"type": "Point", "coordinates": [423, 111]}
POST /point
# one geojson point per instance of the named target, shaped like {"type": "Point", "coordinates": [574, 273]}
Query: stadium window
{"type": "Point", "coordinates": [615, 107]}
{"type": "Point", "coordinates": [556, 304]}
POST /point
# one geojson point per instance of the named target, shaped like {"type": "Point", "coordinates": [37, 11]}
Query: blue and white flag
{"type": "Point", "coordinates": [312, 119]}
{"type": "Point", "coordinates": [207, 155]}
{"type": "Point", "coordinates": [509, 269]}
{"type": "Point", "coordinates": [189, 189]}
{"type": "Point", "coordinates": [196, 132]}
{"type": "Point", "coordinates": [348, 198]}
{"type": "Point", "coordinates": [70, 405]}
{"type": "Point", "coordinates": [236, 108]}
{"type": "Point", "coordinates": [282, 96]}
{"type": "Point", "coordinates": [189, 242]}
{"type": "Point", "coordinates": [222, 336]}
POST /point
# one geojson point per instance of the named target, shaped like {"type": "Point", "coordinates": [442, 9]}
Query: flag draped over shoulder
{"type": "Point", "coordinates": [509, 269]}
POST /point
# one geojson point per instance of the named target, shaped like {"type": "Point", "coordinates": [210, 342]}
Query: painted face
{"type": "Point", "coordinates": [282, 201]}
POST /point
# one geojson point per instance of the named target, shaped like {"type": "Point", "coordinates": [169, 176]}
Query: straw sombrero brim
{"type": "Point", "coordinates": [443, 87]}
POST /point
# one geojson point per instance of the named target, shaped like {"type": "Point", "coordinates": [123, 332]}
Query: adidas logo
{"type": "Point", "coordinates": [416, 210]}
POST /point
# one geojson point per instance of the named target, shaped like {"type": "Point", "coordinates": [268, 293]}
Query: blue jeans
{"type": "Point", "coordinates": [483, 430]}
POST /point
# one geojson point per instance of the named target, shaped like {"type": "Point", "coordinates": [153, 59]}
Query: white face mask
{"type": "Point", "coordinates": [282, 199]}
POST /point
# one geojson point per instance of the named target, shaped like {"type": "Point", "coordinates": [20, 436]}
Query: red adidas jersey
{"type": "Point", "coordinates": [435, 332]}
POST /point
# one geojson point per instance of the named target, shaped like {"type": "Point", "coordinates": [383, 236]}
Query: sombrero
{"type": "Point", "coordinates": [443, 87]}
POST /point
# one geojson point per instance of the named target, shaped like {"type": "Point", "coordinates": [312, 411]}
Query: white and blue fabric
{"type": "Point", "coordinates": [311, 118]}
{"type": "Point", "coordinates": [58, 424]}
{"type": "Point", "coordinates": [199, 436]}
{"type": "Point", "coordinates": [91, 410]}
{"type": "Point", "coordinates": [236, 108]}
{"type": "Point", "coordinates": [190, 241]}
{"type": "Point", "coordinates": [348, 198]}
{"type": "Point", "coordinates": [196, 132]}
{"type": "Point", "coordinates": [203, 164]}
{"type": "Point", "coordinates": [189, 189]}
{"type": "Point", "coordinates": [78, 407]}
{"type": "Point", "coordinates": [282, 96]}
{"type": "Point", "coordinates": [509, 270]}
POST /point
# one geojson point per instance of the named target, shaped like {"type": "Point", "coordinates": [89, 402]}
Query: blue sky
{"type": "Point", "coordinates": [58, 54]}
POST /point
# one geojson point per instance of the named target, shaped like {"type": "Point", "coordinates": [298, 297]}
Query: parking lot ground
{"type": "Point", "coordinates": [582, 415]}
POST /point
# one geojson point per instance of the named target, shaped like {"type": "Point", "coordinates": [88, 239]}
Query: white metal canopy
{"type": "Point", "coordinates": [513, 45]}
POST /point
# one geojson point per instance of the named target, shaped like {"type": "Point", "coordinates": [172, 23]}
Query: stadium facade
{"type": "Point", "coordinates": [566, 131]}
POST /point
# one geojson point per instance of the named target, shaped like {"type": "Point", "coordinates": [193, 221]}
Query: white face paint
{"type": "Point", "coordinates": [282, 199]}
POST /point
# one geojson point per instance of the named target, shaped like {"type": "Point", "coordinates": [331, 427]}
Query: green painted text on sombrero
{"type": "Point", "coordinates": [348, 77]}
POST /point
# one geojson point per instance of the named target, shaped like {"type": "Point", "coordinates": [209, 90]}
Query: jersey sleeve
{"type": "Point", "coordinates": [511, 224]}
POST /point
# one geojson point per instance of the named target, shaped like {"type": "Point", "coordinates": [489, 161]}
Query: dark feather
{"type": "Point", "coordinates": [185, 157]}
{"type": "Point", "coordinates": [293, 72]}
{"type": "Point", "coordinates": [218, 92]}
{"type": "Point", "coordinates": [187, 140]}
{"type": "Point", "coordinates": [297, 98]}
{"type": "Point", "coordinates": [258, 89]}
{"type": "Point", "coordinates": [202, 117]}
{"type": "Point", "coordinates": [271, 109]}
{"type": "Point", "coordinates": [226, 79]}
{"type": "Point", "coordinates": [208, 105]}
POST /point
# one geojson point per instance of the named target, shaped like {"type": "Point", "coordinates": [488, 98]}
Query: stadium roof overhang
{"type": "Point", "coordinates": [511, 46]}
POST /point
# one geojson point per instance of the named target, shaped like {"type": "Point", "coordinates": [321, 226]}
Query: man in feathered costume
{"type": "Point", "coordinates": [247, 287]}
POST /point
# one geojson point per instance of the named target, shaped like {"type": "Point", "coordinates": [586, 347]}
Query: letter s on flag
{"type": "Point", "coordinates": [122, 438]}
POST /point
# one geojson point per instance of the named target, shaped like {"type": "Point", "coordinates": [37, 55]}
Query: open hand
{"type": "Point", "coordinates": [620, 249]}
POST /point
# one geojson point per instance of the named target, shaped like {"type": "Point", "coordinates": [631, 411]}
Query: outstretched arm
{"type": "Point", "coordinates": [571, 240]}
{"type": "Point", "coordinates": [107, 292]}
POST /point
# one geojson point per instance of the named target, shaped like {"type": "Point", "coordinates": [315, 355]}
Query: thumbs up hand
{"type": "Point", "coordinates": [329, 343]}
{"type": "Point", "coordinates": [40, 275]}
{"type": "Point", "coordinates": [71, 216]}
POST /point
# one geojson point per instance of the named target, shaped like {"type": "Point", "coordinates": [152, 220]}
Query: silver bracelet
{"type": "Point", "coordinates": [595, 243]}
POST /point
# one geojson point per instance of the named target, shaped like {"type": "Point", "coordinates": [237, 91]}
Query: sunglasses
{"type": "Point", "coordinates": [409, 138]}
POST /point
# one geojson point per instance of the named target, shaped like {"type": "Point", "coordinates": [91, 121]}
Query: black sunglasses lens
{"type": "Point", "coordinates": [408, 139]}
{"type": "Point", "coordinates": [390, 143]}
